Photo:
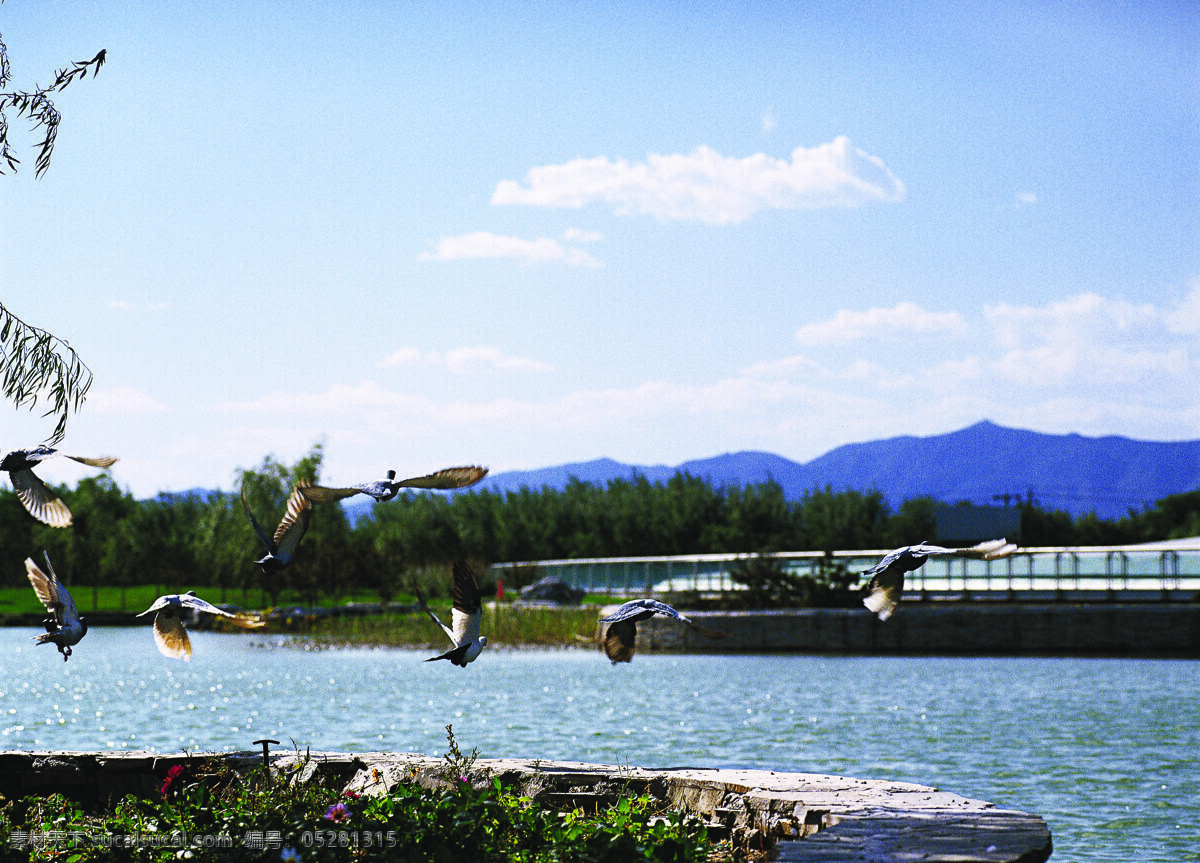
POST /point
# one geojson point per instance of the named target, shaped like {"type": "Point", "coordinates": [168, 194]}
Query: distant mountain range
{"type": "Point", "coordinates": [981, 464]}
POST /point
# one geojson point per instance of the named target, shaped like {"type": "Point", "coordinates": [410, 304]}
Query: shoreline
{"type": "Point", "coordinates": [810, 817]}
{"type": "Point", "coordinates": [1102, 630]}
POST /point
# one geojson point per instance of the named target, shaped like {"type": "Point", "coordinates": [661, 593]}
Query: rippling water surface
{"type": "Point", "coordinates": [1107, 751]}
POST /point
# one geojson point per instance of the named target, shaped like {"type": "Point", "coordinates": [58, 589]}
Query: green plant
{"type": "Point", "coordinates": [204, 810]}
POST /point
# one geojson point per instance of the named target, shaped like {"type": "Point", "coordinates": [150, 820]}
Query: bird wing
{"type": "Point", "coordinates": [321, 494]}
{"type": "Point", "coordinates": [247, 621]}
{"type": "Point", "coordinates": [637, 609]}
{"type": "Point", "coordinates": [69, 616]}
{"type": "Point", "coordinates": [161, 602]}
{"type": "Point", "coordinates": [619, 640]}
{"type": "Point", "coordinates": [449, 632]}
{"type": "Point", "coordinates": [193, 601]}
{"type": "Point", "coordinates": [451, 477]}
{"type": "Point", "coordinates": [170, 637]}
{"type": "Point", "coordinates": [39, 500]}
{"type": "Point", "coordinates": [102, 461]}
{"type": "Point", "coordinates": [43, 586]}
{"type": "Point", "coordinates": [888, 559]}
{"type": "Point", "coordinates": [468, 603]}
{"type": "Point", "coordinates": [262, 534]}
{"type": "Point", "coordinates": [992, 549]}
{"type": "Point", "coordinates": [295, 521]}
{"type": "Point", "coordinates": [884, 592]}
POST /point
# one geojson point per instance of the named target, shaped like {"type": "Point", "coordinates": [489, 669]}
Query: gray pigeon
{"type": "Point", "coordinates": [887, 576]}
{"type": "Point", "coordinates": [35, 495]}
{"type": "Point", "coordinates": [466, 615]}
{"type": "Point", "coordinates": [387, 488]}
{"type": "Point", "coordinates": [281, 549]}
{"type": "Point", "coordinates": [621, 634]}
{"type": "Point", "coordinates": [169, 634]}
{"type": "Point", "coordinates": [66, 628]}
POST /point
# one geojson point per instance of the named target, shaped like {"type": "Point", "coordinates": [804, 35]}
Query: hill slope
{"type": "Point", "coordinates": [1108, 475]}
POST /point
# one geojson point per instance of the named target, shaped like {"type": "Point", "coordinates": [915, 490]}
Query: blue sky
{"type": "Point", "coordinates": [524, 234]}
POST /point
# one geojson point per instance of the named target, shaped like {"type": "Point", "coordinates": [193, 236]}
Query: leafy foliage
{"type": "Point", "coordinates": [36, 105]}
{"type": "Point", "coordinates": [37, 364]}
{"type": "Point", "coordinates": [769, 584]}
{"type": "Point", "coordinates": [465, 817]}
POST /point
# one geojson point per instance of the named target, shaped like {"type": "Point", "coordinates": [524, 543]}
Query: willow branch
{"type": "Point", "coordinates": [36, 364]}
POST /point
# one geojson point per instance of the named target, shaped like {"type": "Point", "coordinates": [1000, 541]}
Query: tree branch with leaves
{"type": "Point", "coordinates": [36, 364]}
{"type": "Point", "coordinates": [36, 105]}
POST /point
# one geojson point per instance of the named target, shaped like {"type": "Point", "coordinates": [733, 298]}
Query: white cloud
{"type": "Point", "coordinates": [1073, 320]}
{"type": "Point", "coordinates": [901, 321]}
{"type": "Point", "coordinates": [122, 400]}
{"type": "Point", "coordinates": [1084, 364]}
{"type": "Point", "coordinates": [705, 186]}
{"type": "Point", "coordinates": [1026, 198]}
{"type": "Point", "coordinates": [769, 122]}
{"type": "Point", "coordinates": [463, 360]}
{"type": "Point", "coordinates": [578, 235]}
{"type": "Point", "coordinates": [483, 244]}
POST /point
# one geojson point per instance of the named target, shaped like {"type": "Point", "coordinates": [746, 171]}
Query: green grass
{"type": "Point", "coordinates": [502, 624]}
{"type": "Point", "coordinates": [135, 598]}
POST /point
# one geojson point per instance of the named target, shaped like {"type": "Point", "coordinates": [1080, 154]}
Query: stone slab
{"type": "Point", "coordinates": [807, 816]}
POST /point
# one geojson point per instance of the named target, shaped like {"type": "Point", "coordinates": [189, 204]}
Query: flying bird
{"type": "Point", "coordinates": [466, 616]}
{"type": "Point", "coordinates": [619, 638]}
{"type": "Point", "coordinates": [387, 488]}
{"type": "Point", "coordinates": [35, 495]}
{"type": "Point", "coordinates": [281, 549]}
{"type": "Point", "coordinates": [169, 634]}
{"type": "Point", "coordinates": [66, 627]}
{"type": "Point", "coordinates": [887, 576]}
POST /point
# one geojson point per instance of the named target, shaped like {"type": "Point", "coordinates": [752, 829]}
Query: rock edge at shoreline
{"type": "Point", "coordinates": [814, 817]}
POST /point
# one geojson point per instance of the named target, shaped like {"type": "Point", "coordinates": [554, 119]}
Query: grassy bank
{"type": "Point", "coordinates": [502, 624]}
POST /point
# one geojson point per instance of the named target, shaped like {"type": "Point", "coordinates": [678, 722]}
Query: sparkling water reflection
{"type": "Point", "coordinates": [1104, 750]}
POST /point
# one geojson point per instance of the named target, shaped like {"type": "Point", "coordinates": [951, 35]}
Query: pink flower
{"type": "Point", "coordinates": [337, 813]}
{"type": "Point", "coordinates": [172, 775]}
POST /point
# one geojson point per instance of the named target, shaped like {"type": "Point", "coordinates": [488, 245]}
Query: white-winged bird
{"type": "Point", "coordinates": [66, 627]}
{"type": "Point", "coordinates": [35, 495]}
{"type": "Point", "coordinates": [170, 636]}
{"type": "Point", "coordinates": [887, 576]}
{"type": "Point", "coordinates": [387, 488]}
{"type": "Point", "coordinates": [466, 616]}
{"type": "Point", "coordinates": [621, 634]}
{"type": "Point", "coordinates": [281, 549]}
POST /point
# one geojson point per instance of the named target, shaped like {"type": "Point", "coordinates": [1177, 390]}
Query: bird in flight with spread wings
{"type": "Point", "coordinates": [170, 636]}
{"type": "Point", "coordinates": [887, 576]}
{"type": "Point", "coordinates": [387, 488]}
{"type": "Point", "coordinates": [466, 616]}
{"type": "Point", "coordinates": [35, 495]}
{"type": "Point", "coordinates": [281, 549]}
{"type": "Point", "coordinates": [619, 637]}
{"type": "Point", "coordinates": [66, 627]}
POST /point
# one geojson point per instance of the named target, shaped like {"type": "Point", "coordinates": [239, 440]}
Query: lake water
{"type": "Point", "coordinates": [1107, 751]}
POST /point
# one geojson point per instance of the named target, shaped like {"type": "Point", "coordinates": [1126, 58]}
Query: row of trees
{"type": "Point", "coordinates": [207, 542]}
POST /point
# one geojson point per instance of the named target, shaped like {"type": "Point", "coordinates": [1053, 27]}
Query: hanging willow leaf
{"type": "Point", "coordinates": [35, 105]}
{"type": "Point", "coordinates": [39, 364]}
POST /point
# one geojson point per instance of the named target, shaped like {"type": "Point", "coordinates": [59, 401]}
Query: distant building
{"type": "Point", "coordinates": [968, 523]}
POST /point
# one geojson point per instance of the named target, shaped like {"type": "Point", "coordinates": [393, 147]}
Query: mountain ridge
{"type": "Point", "coordinates": [981, 463]}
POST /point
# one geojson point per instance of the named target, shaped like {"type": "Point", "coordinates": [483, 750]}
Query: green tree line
{"type": "Point", "coordinates": [205, 541]}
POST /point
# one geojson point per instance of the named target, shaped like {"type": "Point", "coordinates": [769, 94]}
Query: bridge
{"type": "Point", "coordinates": [1164, 571]}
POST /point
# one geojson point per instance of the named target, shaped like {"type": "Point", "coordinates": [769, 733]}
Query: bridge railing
{"type": "Point", "coordinates": [1160, 571]}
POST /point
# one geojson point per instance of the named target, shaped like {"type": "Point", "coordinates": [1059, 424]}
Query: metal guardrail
{"type": "Point", "coordinates": [1160, 571]}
